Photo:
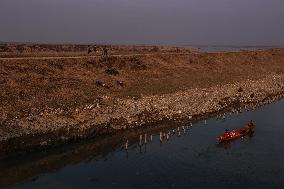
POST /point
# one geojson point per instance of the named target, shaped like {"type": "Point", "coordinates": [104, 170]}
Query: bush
{"type": "Point", "coordinates": [111, 71]}
{"type": "Point", "coordinates": [155, 49]}
{"type": "Point", "coordinates": [4, 48]}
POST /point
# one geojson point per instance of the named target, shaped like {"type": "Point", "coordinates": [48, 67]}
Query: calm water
{"type": "Point", "coordinates": [232, 48]}
{"type": "Point", "coordinates": [193, 160]}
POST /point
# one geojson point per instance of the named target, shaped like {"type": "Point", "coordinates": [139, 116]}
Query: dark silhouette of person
{"type": "Point", "coordinates": [89, 50]}
{"type": "Point", "coordinates": [251, 124]}
{"type": "Point", "coordinates": [92, 49]}
{"type": "Point", "coordinates": [105, 51]}
{"type": "Point", "coordinates": [95, 48]}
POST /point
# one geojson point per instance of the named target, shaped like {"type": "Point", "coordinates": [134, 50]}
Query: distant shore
{"type": "Point", "coordinates": [47, 102]}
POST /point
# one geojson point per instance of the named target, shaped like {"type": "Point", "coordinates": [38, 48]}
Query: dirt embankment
{"type": "Point", "coordinates": [47, 101]}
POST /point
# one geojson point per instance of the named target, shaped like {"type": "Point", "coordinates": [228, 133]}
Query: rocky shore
{"type": "Point", "coordinates": [108, 115]}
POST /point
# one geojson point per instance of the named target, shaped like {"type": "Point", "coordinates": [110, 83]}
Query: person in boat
{"type": "Point", "coordinates": [227, 133]}
{"type": "Point", "coordinates": [251, 124]}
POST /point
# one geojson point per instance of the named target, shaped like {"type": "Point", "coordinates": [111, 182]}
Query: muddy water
{"type": "Point", "coordinates": [192, 160]}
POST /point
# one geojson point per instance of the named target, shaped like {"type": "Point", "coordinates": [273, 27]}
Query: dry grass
{"type": "Point", "coordinates": [34, 85]}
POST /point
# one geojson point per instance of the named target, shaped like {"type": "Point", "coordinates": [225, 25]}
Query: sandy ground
{"type": "Point", "coordinates": [53, 97]}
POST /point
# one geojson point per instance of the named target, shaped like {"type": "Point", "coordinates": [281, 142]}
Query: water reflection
{"type": "Point", "coordinates": [164, 138]}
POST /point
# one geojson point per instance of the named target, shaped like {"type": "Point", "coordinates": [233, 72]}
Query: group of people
{"type": "Point", "coordinates": [249, 126]}
{"type": "Point", "coordinates": [96, 49]}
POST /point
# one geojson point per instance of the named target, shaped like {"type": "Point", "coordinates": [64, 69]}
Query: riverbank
{"type": "Point", "coordinates": [55, 101]}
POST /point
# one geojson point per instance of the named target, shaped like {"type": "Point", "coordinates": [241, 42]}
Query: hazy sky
{"type": "Point", "coordinates": [172, 22]}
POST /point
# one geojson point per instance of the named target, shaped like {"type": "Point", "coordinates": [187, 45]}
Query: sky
{"type": "Point", "coordinates": [164, 22]}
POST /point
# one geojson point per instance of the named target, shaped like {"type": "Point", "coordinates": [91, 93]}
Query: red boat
{"type": "Point", "coordinates": [235, 134]}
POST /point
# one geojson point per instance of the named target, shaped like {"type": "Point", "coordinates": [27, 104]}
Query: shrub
{"type": "Point", "coordinates": [155, 49]}
{"type": "Point", "coordinates": [111, 71]}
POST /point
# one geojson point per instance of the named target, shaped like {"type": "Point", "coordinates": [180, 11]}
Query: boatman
{"type": "Point", "coordinates": [227, 133]}
{"type": "Point", "coordinates": [251, 124]}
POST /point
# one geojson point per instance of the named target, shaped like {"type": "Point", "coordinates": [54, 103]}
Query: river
{"type": "Point", "coordinates": [192, 160]}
